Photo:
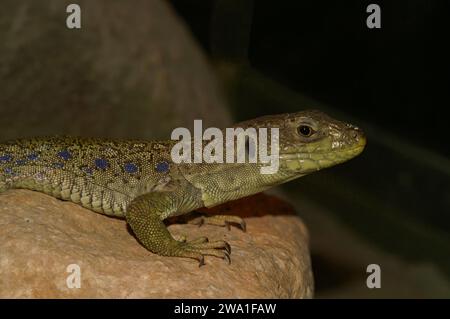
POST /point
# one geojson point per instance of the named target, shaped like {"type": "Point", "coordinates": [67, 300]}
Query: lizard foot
{"type": "Point", "coordinates": [220, 220]}
{"type": "Point", "coordinates": [144, 217]}
{"type": "Point", "coordinates": [201, 247]}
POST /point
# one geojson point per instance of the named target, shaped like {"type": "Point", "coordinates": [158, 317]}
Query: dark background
{"type": "Point", "coordinates": [393, 82]}
{"type": "Point", "coordinates": [396, 76]}
{"type": "Point", "coordinates": [134, 71]}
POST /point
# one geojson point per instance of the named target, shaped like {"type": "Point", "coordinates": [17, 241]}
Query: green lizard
{"type": "Point", "coordinates": [138, 181]}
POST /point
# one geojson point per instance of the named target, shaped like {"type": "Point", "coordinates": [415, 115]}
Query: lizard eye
{"type": "Point", "coordinates": [305, 130]}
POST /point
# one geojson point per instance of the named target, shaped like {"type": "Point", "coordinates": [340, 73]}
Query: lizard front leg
{"type": "Point", "coordinates": [144, 215]}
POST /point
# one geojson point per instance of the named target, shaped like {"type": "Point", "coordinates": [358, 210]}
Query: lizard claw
{"type": "Point", "coordinates": [243, 226]}
{"type": "Point", "coordinates": [200, 247]}
{"type": "Point", "coordinates": [200, 222]}
{"type": "Point", "coordinates": [227, 248]}
{"type": "Point", "coordinates": [201, 261]}
{"type": "Point", "coordinates": [220, 220]}
{"type": "Point", "coordinates": [227, 258]}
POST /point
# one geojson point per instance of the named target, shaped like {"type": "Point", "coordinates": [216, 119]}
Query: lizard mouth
{"type": "Point", "coordinates": [312, 161]}
{"type": "Point", "coordinates": [356, 150]}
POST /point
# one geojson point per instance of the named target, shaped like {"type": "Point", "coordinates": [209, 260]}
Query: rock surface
{"type": "Point", "coordinates": [41, 236]}
{"type": "Point", "coordinates": [133, 70]}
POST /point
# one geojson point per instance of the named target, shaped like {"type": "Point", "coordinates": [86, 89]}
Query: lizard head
{"type": "Point", "coordinates": [311, 140]}
{"type": "Point", "coordinates": [307, 141]}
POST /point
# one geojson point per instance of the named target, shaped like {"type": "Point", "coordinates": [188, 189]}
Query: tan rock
{"type": "Point", "coordinates": [133, 70]}
{"type": "Point", "coordinates": [41, 236]}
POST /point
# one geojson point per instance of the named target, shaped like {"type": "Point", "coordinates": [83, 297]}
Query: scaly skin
{"type": "Point", "coordinates": [137, 180]}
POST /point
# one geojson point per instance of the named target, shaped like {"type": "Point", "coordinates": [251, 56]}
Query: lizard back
{"type": "Point", "coordinates": [100, 174]}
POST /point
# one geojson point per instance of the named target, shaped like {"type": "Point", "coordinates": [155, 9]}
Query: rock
{"type": "Point", "coordinates": [41, 236]}
{"type": "Point", "coordinates": [133, 70]}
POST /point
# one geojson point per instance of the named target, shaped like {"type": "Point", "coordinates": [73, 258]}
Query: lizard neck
{"type": "Point", "coordinates": [219, 183]}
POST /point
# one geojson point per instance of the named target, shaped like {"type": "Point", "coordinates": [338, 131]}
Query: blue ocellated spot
{"type": "Point", "coordinates": [5, 158]}
{"type": "Point", "coordinates": [101, 163]}
{"type": "Point", "coordinates": [21, 162]}
{"type": "Point", "coordinates": [33, 156]}
{"type": "Point", "coordinates": [65, 155]}
{"type": "Point", "coordinates": [58, 165]}
{"type": "Point", "coordinates": [162, 167]}
{"type": "Point", "coordinates": [9, 170]}
{"type": "Point", "coordinates": [130, 168]}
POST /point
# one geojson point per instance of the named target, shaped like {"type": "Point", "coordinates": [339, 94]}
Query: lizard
{"type": "Point", "coordinates": [138, 181]}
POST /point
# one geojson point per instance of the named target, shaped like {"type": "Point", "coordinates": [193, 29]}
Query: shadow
{"type": "Point", "coordinates": [252, 206]}
{"type": "Point", "coordinates": [331, 274]}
